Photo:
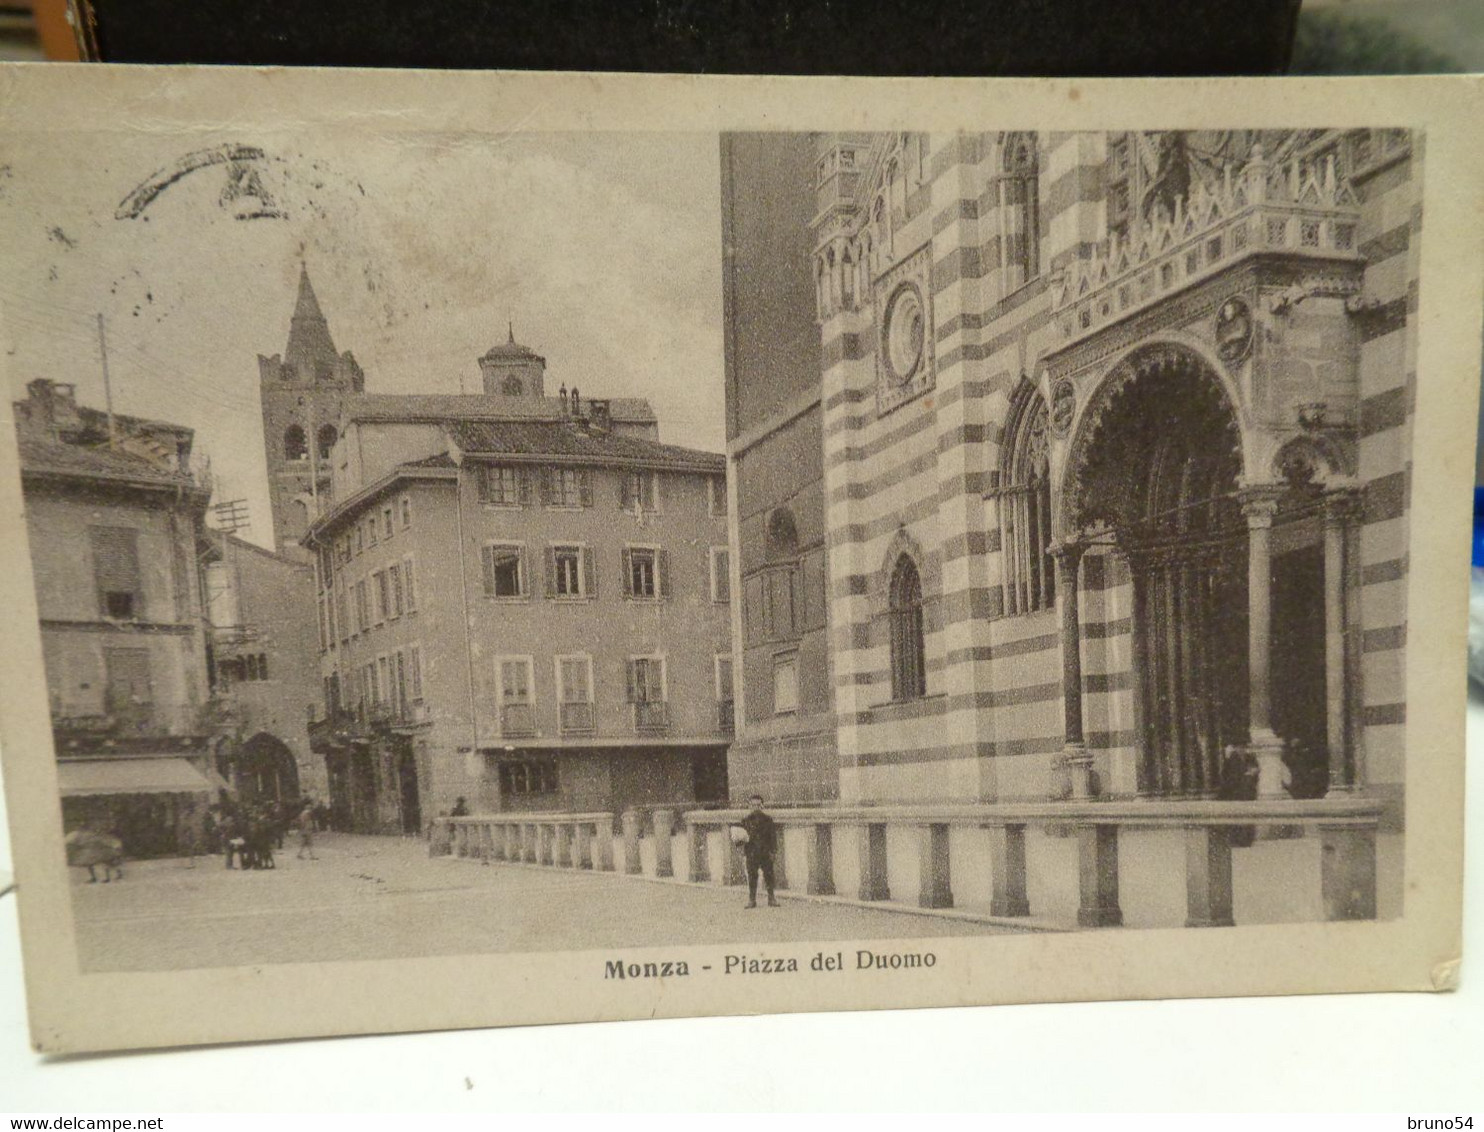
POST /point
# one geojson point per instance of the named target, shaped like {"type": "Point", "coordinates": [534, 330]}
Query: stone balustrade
{"type": "Point", "coordinates": [1145, 863]}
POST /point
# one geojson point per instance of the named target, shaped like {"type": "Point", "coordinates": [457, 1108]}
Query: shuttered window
{"type": "Point", "coordinates": [646, 572]}
{"type": "Point", "coordinates": [566, 487]}
{"type": "Point", "coordinates": [415, 672]}
{"type": "Point", "coordinates": [646, 680]}
{"type": "Point", "coordinates": [504, 570]}
{"type": "Point", "coordinates": [116, 572]}
{"type": "Point", "coordinates": [574, 675]}
{"type": "Point", "coordinates": [382, 595]}
{"type": "Point", "coordinates": [505, 484]}
{"type": "Point", "coordinates": [721, 577]}
{"type": "Point", "coordinates": [394, 581]}
{"type": "Point", "coordinates": [637, 492]}
{"type": "Point", "coordinates": [564, 573]}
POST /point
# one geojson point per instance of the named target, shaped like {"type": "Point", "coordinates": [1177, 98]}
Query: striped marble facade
{"type": "Point", "coordinates": [1329, 278]}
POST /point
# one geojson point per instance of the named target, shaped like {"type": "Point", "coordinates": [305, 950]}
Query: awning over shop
{"type": "Point", "coordinates": [132, 776]}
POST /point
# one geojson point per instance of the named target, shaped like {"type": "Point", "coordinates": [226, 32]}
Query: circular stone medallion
{"type": "Point", "coordinates": [903, 335]}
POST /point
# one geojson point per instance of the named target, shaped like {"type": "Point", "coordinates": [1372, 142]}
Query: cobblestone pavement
{"type": "Point", "coordinates": [384, 898]}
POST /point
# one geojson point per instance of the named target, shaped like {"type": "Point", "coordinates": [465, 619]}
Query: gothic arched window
{"type": "Point", "coordinates": [908, 659]}
{"type": "Point", "coordinates": [325, 440]}
{"type": "Point", "coordinates": [783, 535]}
{"type": "Point", "coordinates": [1023, 213]}
{"type": "Point", "coordinates": [295, 447]}
{"type": "Point", "coordinates": [847, 272]}
{"type": "Point", "coordinates": [1025, 506]}
{"type": "Point", "coordinates": [777, 595]}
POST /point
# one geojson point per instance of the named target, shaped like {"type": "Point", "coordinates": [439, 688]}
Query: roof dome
{"type": "Point", "coordinates": [510, 348]}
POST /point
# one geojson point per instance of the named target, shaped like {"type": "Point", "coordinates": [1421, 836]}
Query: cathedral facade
{"type": "Point", "coordinates": [1115, 447]}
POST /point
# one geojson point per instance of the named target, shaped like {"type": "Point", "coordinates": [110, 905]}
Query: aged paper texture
{"type": "Point", "coordinates": [493, 549]}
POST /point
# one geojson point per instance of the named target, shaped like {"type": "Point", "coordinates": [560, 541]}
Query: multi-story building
{"type": "Point", "coordinates": [264, 668]}
{"type": "Point", "coordinates": [1115, 430]}
{"type": "Point", "coordinates": [113, 515]}
{"type": "Point", "coordinates": [523, 601]}
{"type": "Point", "coordinates": [785, 743]}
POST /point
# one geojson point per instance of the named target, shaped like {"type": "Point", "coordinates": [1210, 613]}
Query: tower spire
{"type": "Point", "coordinates": [310, 344]}
{"type": "Point", "coordinates": [512, 332]}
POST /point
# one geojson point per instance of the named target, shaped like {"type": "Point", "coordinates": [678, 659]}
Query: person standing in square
{"type": "Point", "coordinates": [758, 850]}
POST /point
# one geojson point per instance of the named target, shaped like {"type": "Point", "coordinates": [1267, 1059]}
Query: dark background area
{"type": "Point", "coordinates": [869, 37]}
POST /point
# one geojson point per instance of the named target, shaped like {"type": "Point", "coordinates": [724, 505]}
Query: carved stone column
{"type": "Point", "coordinates": [1260, 504]}
{"type": "Point", "coordinates": [1068, 557]}
{"type": "Point", "coordinates": [821, 852]}
{"type": "Point", "coordinates": [1341, 511]}
{"type": "Point", "coordinates": [664, 830]}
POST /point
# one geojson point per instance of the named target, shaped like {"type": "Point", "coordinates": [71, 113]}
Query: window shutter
{"type": "Point", "coordinates": [115, 559]}
{"type": "Point", "coordinates": [551, 579]}
{"type": "Point", "coordinates": [631, 680]}
{"type": "Point", "coordinates": [408, 587]}
{"type": "Point", "coordinates": [482, 483]}
{"type": "Point", "coordinates": [628, 572]}
{"type": "Point", "coordinates": [625, 500]}
{"type": "Point", "coordinates": [589, 573]}
{"type": "Point", "coordinates": [524, 580]}
{"type": "Point", "coordinates": [585, 487]}
{"type": "Point", "coordinates": [546, 486]}
{"type": "Point", "coordinates": [489, 571]}
{"type": "Point", "coordinates": [662, 568]}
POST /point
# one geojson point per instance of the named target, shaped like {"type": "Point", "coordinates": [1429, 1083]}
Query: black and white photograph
{"type": "Point", "coordinates": [689, 553]}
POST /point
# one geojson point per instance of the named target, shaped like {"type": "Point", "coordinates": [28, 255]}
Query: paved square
{"type": "Point", "coordinates": [384, 898]}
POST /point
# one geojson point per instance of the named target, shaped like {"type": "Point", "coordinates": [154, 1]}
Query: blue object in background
{"type": "Point", "coordinates": [1478, 556]}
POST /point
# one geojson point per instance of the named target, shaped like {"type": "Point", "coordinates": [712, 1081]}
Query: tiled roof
{"type": "Point", "coordinates": [441, 460]}
{"type": "Point", "coordinates": [45, 457]}
{"type": "Point", "coordinates": [564, 439]}
{"type": "Point", "coordinates": [479, 406]}
{"type": "Point", "coordinates": [440, 466]}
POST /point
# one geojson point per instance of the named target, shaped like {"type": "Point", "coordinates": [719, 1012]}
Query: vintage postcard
{"type": "Point", "coordinates": [496, 549]}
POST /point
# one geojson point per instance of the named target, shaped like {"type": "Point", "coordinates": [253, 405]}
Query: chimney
{"type": "Point", "coordinates": [600, 414]}
{"type": "Point", "coordinates": [53, 407]}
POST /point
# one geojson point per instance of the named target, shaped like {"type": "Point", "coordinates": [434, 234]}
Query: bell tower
{"type": "Point", "coordinates": [513, 370]}
{"type": "Point", "coordinates": [302, 392]}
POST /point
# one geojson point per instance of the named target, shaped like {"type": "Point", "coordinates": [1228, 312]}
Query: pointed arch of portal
{"type": "Point", "coordinates": [1154, 472]}
{"type": "Point", "coordinates": [1182, 389]}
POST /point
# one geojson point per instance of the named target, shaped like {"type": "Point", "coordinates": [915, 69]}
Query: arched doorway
{"type": "Point", "coordinates": [266, 771]}
{"type": "Point", "coordinates": [1155, 470]}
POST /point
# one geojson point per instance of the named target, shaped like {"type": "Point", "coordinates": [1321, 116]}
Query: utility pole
{"type": "Point", "coordinates": [107, 385]}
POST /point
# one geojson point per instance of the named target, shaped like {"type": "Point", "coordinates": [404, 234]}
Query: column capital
{"type": "Point", "coordinates": [1342, 505]}
{"type": "Point", "coordinates": [1067, 552]}
{"type": "Point", "coordinates": [1260, 502]}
